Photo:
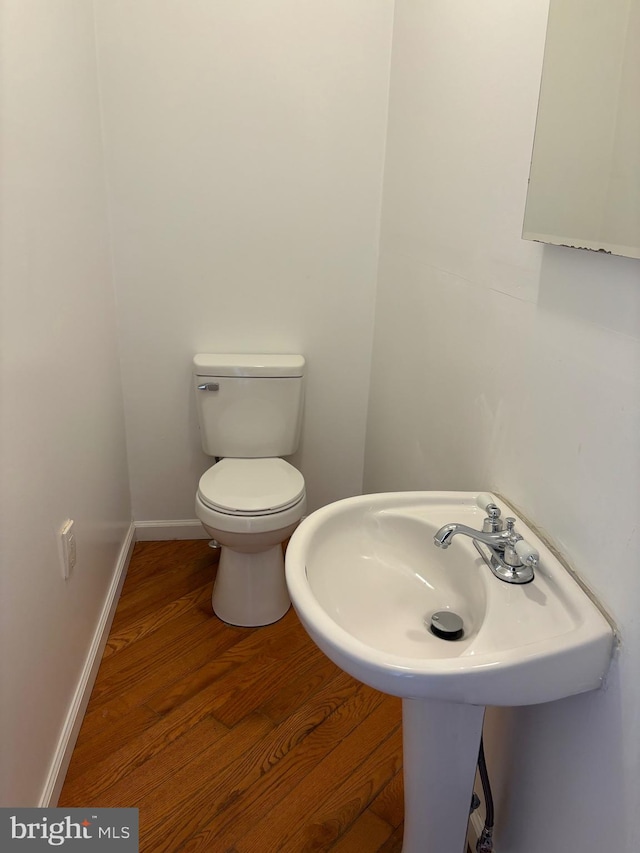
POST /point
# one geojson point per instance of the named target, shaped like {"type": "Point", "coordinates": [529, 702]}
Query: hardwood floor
{"type": "Point", "coordinates": [237, 740]}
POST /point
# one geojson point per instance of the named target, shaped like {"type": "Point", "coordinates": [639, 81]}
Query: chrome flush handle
{"type": "Point", "coordinates": [209, 386]}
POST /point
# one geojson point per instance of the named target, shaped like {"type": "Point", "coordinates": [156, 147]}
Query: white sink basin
{"type": "Point", "coordinates": [364, 573]}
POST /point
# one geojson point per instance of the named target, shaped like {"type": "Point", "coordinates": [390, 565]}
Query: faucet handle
{"type": "Point", "coordinates": [527, 553]}
{"type": "Point", "coordinates": [492, 523]}
{"type": "Point", "coordinates": [484, 501]}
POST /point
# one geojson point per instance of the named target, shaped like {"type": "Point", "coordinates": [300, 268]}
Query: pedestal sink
{"type": "Point", "coordinates": [365, 579]}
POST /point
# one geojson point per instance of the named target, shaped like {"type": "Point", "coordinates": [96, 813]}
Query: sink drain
{"type": "Point", "coordinates": [446, 624]}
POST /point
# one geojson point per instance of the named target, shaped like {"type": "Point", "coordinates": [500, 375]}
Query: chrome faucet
{"type": "Point", "coordinates": [510, 558]}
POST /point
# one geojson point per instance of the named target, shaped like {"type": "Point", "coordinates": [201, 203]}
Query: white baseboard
{"type": "Point", "coordinates": [75, 715]}
{"type": "Point", "coordinates": [476, 825]}
{"type": "Point", "coordinates": [160, 531]}
{"type": "Point", "coordinates": [475, 828]}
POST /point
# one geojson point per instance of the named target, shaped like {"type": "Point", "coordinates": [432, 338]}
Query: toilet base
{"type": "Point", "coordinates": [250, 589]}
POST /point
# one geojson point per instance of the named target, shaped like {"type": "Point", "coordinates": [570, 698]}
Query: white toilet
{"type": "Point", "coordinates": [250, 501]}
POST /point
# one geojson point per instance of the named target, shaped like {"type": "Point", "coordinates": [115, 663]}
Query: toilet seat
{"type": "Point", "coordinates": [251, 487]}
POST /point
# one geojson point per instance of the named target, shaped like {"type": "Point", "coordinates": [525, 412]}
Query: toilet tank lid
{"type": "Point", "coordinates": [253, 364]}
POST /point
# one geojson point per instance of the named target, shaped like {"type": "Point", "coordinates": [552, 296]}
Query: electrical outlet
{"type": "Point", "coordinates": [68, 556]}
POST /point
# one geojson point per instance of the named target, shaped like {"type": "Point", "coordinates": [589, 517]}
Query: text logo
{"type": "Point", "coordinates": [104, 830]}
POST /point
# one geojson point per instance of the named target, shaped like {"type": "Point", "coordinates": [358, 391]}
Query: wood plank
{"type": "Point", "coordinates": [371, 727]}
{"type": "Point", "coordinates": [313, 670]}
{"type": "Point", "coordinates": [159, 646]}
{"type": "Point", "coordinates": [344, 803]}
{"type": "Point", "coordinates": [394, 843]}
{"type": "Point", "coordinates": [366, 835]}
{"type": "Point", "coordinates": [145, 597]}
{"type": "Point", "coordinates": [142, 627]}
{"type": "Point", "coordinates": [247, 687]}
{"type": "Point", "coordinates": [135, 685]}
{"type": "Point", "coordinates": [232, 740]}
{"type": "Point", "coordinates": [389, 804]}
{"type": "Point", "coordinates": [199, 794]}
{"type": "Point", "coordinates": [250, 642]}
{"type": "Point", "coordinates": [255, 805]}
{"type": "Point", "coordinates": [152, 583]}
{"type": "Point", "coordinates": [102, 774]}
{"type": "Point", "coordinates": [185, 766]}
{"type": "Point", "coordinates": [102, 734]}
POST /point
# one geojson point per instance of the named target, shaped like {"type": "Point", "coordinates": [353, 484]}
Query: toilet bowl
{"type": "Point", "coordinates": [251, 506]}
{"type": "Point", "coordinates": [249, 410]}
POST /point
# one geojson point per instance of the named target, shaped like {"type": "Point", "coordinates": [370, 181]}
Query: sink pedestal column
{"type": "Point", "coordinates": [441, 741]}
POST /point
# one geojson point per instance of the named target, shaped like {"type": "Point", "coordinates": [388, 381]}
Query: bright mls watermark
{"type": "Point", "coordinates": [103, 830]}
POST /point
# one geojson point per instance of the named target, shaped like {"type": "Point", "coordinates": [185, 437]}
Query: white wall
{"type": "Point", "coordinates": [501, 364]}
{"type": "Point", "coordinates": [245, 145]}
{"type": "Point", "coordinates": [62, 449]}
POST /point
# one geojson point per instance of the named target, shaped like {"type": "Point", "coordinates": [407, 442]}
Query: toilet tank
{"type": "Point", "coordinates": [249, 405]}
